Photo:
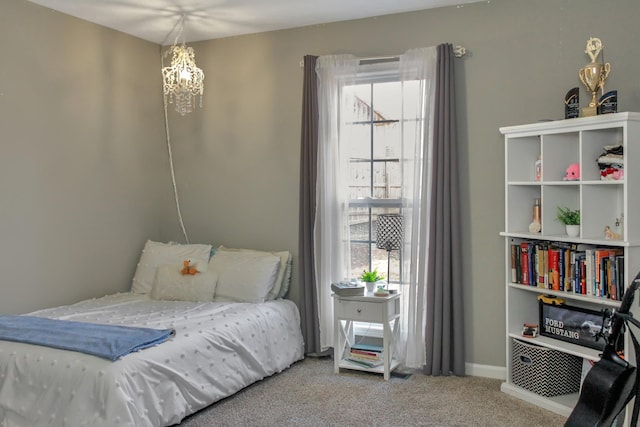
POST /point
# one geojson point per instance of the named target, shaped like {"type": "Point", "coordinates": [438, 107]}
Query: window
{"type": "Point", "coordinates": [375, 177]}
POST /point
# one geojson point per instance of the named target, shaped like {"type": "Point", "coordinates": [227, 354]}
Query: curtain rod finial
{"type": "Point", "coordinates": [459, 51]}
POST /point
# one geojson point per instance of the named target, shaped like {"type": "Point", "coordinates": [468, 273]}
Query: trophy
{"type": "Point", "coordinates": [593, 75]}
{"type": "Point", "coordinates": [608, 103]}
{"type": "Point", "coordinates": [572, 103]}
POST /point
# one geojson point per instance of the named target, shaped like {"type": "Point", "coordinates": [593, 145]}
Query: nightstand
{"type": "Point", "coordinates": [365, 308]}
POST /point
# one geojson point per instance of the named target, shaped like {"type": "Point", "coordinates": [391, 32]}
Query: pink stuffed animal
{"type": "Point", "coordinates": [573, 172]}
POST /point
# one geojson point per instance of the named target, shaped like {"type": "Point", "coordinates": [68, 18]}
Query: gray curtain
{"type": "Point", "coordinates": [308, 172]}
{"type": "Point", "coordinates": [444, 313]}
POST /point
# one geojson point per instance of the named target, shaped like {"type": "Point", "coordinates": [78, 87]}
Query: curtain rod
{"type": "Point", "coordinates": [458, 52]}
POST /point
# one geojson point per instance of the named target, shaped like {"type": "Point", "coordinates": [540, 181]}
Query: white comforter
{"type": "Point", "coordinates": [218, 349]}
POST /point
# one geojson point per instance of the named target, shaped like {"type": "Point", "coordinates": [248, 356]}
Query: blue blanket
{"type": "Point", "coordinates": [107, 341]}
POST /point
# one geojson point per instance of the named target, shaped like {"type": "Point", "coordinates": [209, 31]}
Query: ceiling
{"type": "Point", "coordinates": [157, 20]}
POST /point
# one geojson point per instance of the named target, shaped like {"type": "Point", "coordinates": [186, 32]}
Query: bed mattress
{"type": "Point", "coordinates": [218, 349]}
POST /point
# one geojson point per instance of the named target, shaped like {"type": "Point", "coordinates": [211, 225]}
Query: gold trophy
{"type": "Point", "coordinates": [593, 75]}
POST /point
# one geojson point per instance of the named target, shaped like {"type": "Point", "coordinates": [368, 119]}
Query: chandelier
{"type": "Point", "coordinates": [183, 80]}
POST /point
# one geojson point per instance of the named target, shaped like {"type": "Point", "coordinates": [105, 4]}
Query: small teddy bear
{"type": "Point", "coordinates": [573, 172]}
{"type": "Point", "coordinates": [188, 268]}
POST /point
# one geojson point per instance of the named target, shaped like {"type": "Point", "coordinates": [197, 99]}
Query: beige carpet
{"type": "Point", "coordinates": [310, 394]}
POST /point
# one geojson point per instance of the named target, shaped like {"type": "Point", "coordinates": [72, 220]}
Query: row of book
{"type": "Point", "coordinates": [366, 355]}
{"type": "Point", "coordinates": [569, 267]}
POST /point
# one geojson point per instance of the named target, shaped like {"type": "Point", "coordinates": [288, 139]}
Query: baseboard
{"type": "Point", "coordinates": [486, 371]}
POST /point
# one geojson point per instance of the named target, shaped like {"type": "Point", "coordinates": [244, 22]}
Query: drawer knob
{"type": "Point", "coordinates": [359, 310]}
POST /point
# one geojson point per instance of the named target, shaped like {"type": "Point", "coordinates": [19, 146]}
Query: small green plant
{"type": "Point", "coordinates": [371, 276]}
{"type": "Point", "coordinates": [568, 216]}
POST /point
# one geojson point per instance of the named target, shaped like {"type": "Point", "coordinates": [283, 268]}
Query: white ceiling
{"type": "Point", "coordinates": [156, 20]}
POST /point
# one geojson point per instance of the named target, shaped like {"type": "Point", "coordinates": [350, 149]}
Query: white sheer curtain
{"type": "Point", "coordinates": [417, 69]}
{"type": "Point", "coordinates": [331, 231]}
{"type": "Point", "coordinates": [418, 75]}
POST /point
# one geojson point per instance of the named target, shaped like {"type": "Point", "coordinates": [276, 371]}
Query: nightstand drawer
{"type": "Point", "coordinates": [364, 311]}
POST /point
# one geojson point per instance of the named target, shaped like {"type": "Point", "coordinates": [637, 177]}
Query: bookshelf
{"type": "Point", "coordinates": [601, 201]}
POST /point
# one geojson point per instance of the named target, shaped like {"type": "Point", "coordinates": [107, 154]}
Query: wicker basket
{"type": "Point", "coordinates": [544, 371]}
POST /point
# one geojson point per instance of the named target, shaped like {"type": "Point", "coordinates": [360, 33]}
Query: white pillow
{"type": "Point", "coordinates": [171, 284]}
{"type": "Point", "coordinates": [156, 254]}
{"type": "Point", "coordinates": [285, 257]}
{"type": "Point", "coordinates": [244, 276]}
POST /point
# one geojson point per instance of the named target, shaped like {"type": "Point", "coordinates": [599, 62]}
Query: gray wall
{"type": "Point", "coordinates": [82, 159]}
{"type": "Point", "coordinates": [238, 164]}
{"type": "Point", "coordinates": [84, 176]}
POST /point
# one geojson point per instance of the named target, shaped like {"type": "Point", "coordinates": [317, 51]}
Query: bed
{"type": "Point", "coordinates": [222, 342]}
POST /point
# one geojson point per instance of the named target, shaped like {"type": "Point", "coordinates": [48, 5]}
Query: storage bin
{"type": "Point", "coordinates": [544, 371]}
{"type": "Point", "coordinates": [571, 324]}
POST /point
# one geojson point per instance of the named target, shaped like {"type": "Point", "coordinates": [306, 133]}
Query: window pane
{"type": "Point", "coordinates": [359, 258]}
{"type": "Point", "coordinates": [364, 253]}
{"type": "Point", "coordinates": [374, 153]}
{"type": "Point", "coordinates": [359, 224]}
{"type": "Point", "coordinates": [387, 99]}
{"type": "Point", "coordinates": [359, 180]}
{"type": "Point", "coordinates": [386, 179]}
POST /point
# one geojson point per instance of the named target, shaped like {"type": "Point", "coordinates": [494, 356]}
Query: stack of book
{"type": "Point", "coordinates": [366, 355]}
{"type": "Point", "coordinates": [346, 289]}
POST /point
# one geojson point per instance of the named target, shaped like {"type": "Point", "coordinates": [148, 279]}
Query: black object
{"type": "Point", "coordinates": [608, 103]}
{"type": "Point", "coordinates": [572, 104]}
{"type": "Point", "coordinates": [576, 325]}
{"type": "Point", "coordinates": [612, 381]}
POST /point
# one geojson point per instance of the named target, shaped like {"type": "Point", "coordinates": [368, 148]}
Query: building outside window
{"type": "Point", "coordinates": [374, 168]}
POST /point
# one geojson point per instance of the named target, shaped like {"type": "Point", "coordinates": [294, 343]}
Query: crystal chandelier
{"type": "Point", "coordinates": [183, 80]}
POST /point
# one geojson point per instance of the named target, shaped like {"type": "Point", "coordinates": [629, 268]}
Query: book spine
{"type": "Point", "coordinates": [524, 263]}
{"type": "Point", "coordinates": [620, 270]}
{"type": "Point", "coordinates": [590, 271]}
{"type": "Point", "coordinates": [608, 272]}
{"type": "Point", "coordinates": [583, 276]}
{"type": "Point", "coordinates": [561, 269]}
{"type": "Point", "coordinates": [367, 347]}
{"type": "Point", "coordinates": [363, 353]}
{"type": "Point", "coordinates": [554, 269]}
{"type": "Point", "coordinates": [579, 271]}
{"type": "Point", "coordinates": [598, 289]}
{"type": "Point", "coordinates": [514, 263]}
{"type": "Point", "coordinates": [574, 272]}
{"type": "Point", "coordinates": [568, 279]}
{"type": "Point", "coordinates": [531, 280]}
{"type": "Point", "coordinates": [540, 267]}
{"type": "Point", "coordinates": [545, 267]}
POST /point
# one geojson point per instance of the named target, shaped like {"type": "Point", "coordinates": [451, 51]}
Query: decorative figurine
{"type": "Point", "coordinates": [573, 172]}
{"type": "Point", "coordinates": [609, 234]}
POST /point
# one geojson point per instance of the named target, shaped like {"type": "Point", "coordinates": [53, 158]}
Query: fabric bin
{"type": "Point", "coordinates": [544, 371]}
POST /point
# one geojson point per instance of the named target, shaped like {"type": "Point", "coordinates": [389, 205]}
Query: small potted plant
{"type": "Point", "coordinates": [370, 278]}
{"type": "Point", "coordinates": [571, 219]}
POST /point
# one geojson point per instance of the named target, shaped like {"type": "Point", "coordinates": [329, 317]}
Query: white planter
{"type": "Point", "coordinates": [371, 286]}
{"type": "Point", "coordinates": [573, 230]}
